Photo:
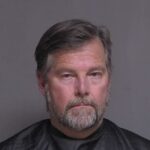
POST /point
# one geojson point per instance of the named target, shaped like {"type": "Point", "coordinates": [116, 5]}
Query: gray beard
{"type": "Point", "coordinates": [78, 120]}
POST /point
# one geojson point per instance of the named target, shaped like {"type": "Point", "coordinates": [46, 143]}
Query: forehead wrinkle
{"type": "Point", "coordinates": [72, 68]}
{"type": "Point", "coordinates": [84, 52]}
{"type": "Point", "coordinates": [73, 58]}
{"type": "Point", "coordinates": [73, 62]}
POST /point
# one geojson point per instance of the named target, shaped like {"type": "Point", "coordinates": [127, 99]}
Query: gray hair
{"type": "Point", "coordinates": [71, 34]}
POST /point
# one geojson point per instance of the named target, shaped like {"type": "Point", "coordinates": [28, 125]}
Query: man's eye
{"type": "Point", "coordinates": [96, 74]}
{"type": "Point", "coordinates": [66, 75]}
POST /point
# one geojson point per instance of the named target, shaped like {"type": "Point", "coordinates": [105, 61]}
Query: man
{"type": "Point", "coordinates": [74, 73]}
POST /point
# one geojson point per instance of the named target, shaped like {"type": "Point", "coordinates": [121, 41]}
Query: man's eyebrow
{"type": "Point", "coordinates": [70, 70]}
{"type": "Point", "coordinates": [98, 68]}
{"type": "Point", "coordinates": [60, 70]}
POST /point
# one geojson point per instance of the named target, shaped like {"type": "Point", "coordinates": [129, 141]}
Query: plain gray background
{"type": "Point", "coordinates": [22, 22]}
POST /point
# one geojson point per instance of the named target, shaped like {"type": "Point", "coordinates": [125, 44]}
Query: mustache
{"type": "Point", "coordinates": [80, 101]}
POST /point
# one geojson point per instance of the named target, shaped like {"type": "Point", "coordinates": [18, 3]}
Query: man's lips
{"type": "Point", "coordinates": [81, 105]}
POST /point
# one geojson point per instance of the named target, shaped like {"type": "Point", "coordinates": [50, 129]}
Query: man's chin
{"type": "Point", "coordinates": [80, 117]}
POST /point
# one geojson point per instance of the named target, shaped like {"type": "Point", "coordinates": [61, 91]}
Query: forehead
{"type": "Point", "coordinates": [91, 53]}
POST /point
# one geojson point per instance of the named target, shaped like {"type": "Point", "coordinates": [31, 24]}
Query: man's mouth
{"type": "Point", "coordinates": [81, 105]}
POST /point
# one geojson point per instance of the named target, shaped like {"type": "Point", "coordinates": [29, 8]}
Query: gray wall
{"type": "Point", "coordinates": [22, 22]}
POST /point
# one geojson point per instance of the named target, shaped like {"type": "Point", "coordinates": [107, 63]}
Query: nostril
{"type": "Point", "coordinates": [81, 93]}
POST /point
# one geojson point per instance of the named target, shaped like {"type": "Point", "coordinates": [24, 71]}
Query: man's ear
{"type": "Point", "coordinates": [41, 82]}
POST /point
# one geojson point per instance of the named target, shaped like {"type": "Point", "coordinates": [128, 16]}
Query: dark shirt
{"type": "Point", "coordinates": [43, 136]}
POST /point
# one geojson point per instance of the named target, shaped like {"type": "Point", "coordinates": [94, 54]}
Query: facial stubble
{"type": "Point", "coordinates": [74, 118]}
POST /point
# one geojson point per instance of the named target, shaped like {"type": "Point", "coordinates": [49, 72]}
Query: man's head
{"type": "Point", "coordinates": [74, 68]}
{"type": "Point", "coordinates": [69, 35]}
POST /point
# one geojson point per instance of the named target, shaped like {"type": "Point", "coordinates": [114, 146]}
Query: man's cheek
{"type": "Point", "coordinates": [60, 99]}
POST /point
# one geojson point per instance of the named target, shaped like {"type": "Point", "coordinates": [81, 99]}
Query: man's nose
{"type": "Point", "coordinates": [81, 87]}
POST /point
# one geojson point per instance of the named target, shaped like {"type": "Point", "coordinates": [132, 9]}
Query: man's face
{"type": "Point", "coordinates": [77, 86]}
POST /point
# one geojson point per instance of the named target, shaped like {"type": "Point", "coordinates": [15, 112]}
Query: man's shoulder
{"type": "Point", "coordinates": [130, 138]}
{"type": "Point", "coordinates": [28, 136]}
{"type": "Point", "coordinates": [136, 140]}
